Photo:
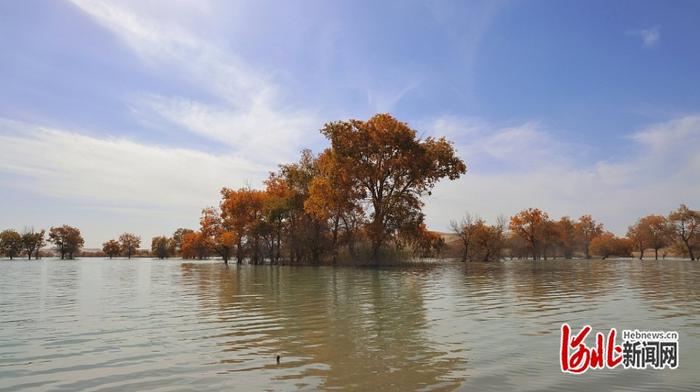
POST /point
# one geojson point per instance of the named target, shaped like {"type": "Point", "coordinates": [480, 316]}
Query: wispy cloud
{"type": "Point", "coordinates": [244, 110]}
{"type": "Point", "coordinates": [650, 37]}
{"type": "Point", "coordinates": [64, 164]}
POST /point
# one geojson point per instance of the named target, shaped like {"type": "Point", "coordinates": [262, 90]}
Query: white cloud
{"type": "Point", "coordinates": [660, 173]}
{"type": "Point", "coordinates": [65, 164]}
{"type": "Point", "coordinates": [514, 147]}
{"type": "Point", "coordinates": [650, 37]}
{"type": "Point", "coordinates": [260, 133]}
{"type": "Point", "coordinates": [247, 113]}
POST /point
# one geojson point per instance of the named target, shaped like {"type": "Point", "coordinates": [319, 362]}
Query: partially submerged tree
{"type": "Point", "coordinates": [464, 229]}
{"type": "Point", "coordinates": [586, 230]}
{"type": "Point", "coordinates": [334, 200]}
{"type": "Point", "coordinates": [685, 226]}
{"type": "Point", "coordinates": [129, 243]}
{"type": "Point", "coordinates": [177, 238]}
{"type": "Point", "coordinates": [10, 243]}
{"type": "Point", "coordinates": [529, 225]}
{"type": "Point", "coordinates": [33, 241]}
{"type": "Point", "coordinates": [488, 240]}
{"type": "Point", "coordinates": [194, 245]}
{"type": "Point", "coordinates": [392, 168]}
{"type": "Point", "coordinates": [639, 236]}
{"type": "Point", "coordinates": [607, 244]}
{"type": "Point", "coordinates": [658, 232]}
{"type": "Point", "coordinates": [67, 240]}
{"type": "Point", "coordinates": [215, 236]}
{"type": "Point", "coordinates": [111, 248]}
{"type": "Point", "coordinates": [242, 213]}
{"type": "Point", "coordinates": [162, 247]}
{"type": "Point", "coordinates": [566, 233]}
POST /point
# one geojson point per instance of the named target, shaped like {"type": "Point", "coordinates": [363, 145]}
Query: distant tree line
{"type": "Point", "coordinates": [528, 234]}
{"type": "Point", "coordinates": [67, 241]}
{"type": "Point", "coordinates": [532, 234]}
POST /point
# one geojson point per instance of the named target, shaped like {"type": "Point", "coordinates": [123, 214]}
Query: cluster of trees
{"type": "Point", "coordinates": [480, 241]}
{"type": "Point", "coordinates": [680, 230]}
{"type": "Point", "coordinates": [363, 193]}
{"type": "Point", "coordinates": [531, 233]}
{"type": "Point", "coordinates": [126, 245]}
{"type": "Point", "coordinates": [13, 244]}
{"type": "Point", "coordinates": [262, 226]}
{"type": "Point", "coordinates": [67, 240]}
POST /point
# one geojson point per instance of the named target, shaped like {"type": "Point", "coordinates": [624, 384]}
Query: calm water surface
{"type": "Point", "coordinates": [180, 326]}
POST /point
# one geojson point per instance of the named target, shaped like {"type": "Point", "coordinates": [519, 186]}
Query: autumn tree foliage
{"type": "Point", "coordinates": [480, 241]}
{"type": "Point", "coordinates": [366, 188]}
{"type": "Point", "coordinates": [10, 243]}
{"type": "Point", "coordinates": [32, 241]}
{"type": "Point", "coordinates": [464, 229]}
{"type": "Point", "coordinates": [607, 244]}
{"type": "Point", "coordinates": [586, 229]}
{"type": "Point", "coordinates": [685, 229]}
{"type": "Point", "coordinates": [530, 226]}
{"type": "Point", "coordinates": [532, 232]}
{"type": "Point", "coordinates": [111, 248]}
{"type": "Point", "coordinates": [391, 168]}
{"type": "Point", "coordinates": [639, 237]}
{"type": "Point", "coordinates": [421, 242]}
{"type": "Point", "coordinates": [194, 246]}
{"type": "Point", "coordinates": [215, 237]}
{"type": "Point", "coordinates": [67, 240]}
{"type": "Point", "coordinates": [177, 238]}
{"type": "Point", "coordinates": [306, 232]}
{"type": "Point", "coordinates": [567, 236]}
{"type": "Point", "coordinates": [242, 213]}
{"type": "Point", "coordinates": [333, 199]}
{"type": "Point", "coordinates": [656, 232]}
{"type": "Point", "coordinates": [488, 241]}
{"type": "Point", "coordinates": [162, 247]}
{"type": "Point", "coordinates": [129, 243]}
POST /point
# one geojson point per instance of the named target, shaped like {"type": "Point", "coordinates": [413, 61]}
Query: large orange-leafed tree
{"type": "Point", "coordinates": [242, 213]}
{"type": "Point", "coordinates": [530, 226]}
{"type": "Point", "coordinates": [391, 168]}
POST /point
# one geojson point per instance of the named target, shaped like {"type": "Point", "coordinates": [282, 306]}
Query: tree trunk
{"type": "Point", "coordinates": [690, 248]}
{"type": "Point", "coordinates": [376, 245]}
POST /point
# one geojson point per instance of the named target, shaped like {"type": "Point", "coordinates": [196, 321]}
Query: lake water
{"type": "Point", "coordinates": [181, 326]}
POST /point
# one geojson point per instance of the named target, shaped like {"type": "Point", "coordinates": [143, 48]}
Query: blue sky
{"type": "Point", "coordinates": [130, 116]}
